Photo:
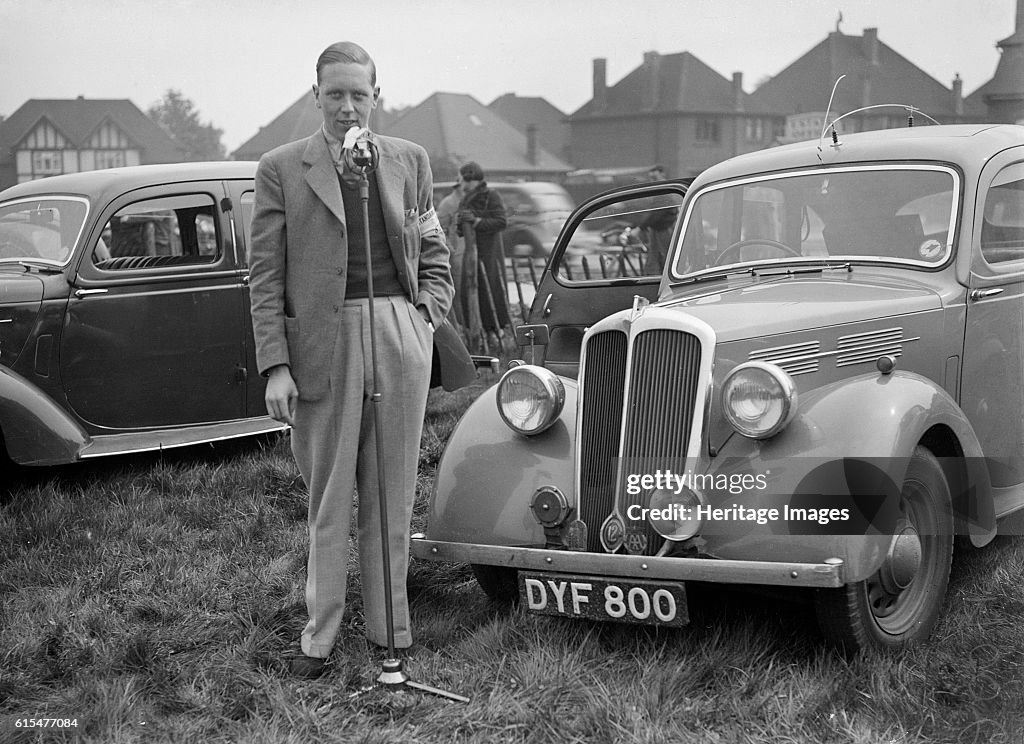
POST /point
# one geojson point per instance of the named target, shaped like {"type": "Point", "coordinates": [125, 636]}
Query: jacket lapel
{"type": "Point", "coordinates": [322, 177]}
{"type": "Point", "coordinates": [391, 185]}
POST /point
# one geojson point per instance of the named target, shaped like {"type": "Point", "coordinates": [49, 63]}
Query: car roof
{"type": "Point", "coordinates": [99, 182]}
{"type": "Point", "coordinates": [963, 144]}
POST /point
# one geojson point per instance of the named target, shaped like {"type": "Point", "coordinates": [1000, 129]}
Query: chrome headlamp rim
{"type": "Point", "coordinates": [553, 397]}
{"type": "Point", "coordinates": [787, 396]}
{"type": "Point", "coordinates": [696, 522]}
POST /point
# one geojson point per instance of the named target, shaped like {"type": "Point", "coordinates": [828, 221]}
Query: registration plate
{"type": "Point", "coordinates": [624, 601]}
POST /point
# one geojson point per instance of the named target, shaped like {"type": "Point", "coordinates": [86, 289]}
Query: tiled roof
{"type": "Point", "coordinates": [456, 127]}
{"type": "Point", "coordinates": [523, 111]}
{"type": "Point", "coordinates": [805, 85]}
{"type": "Point", "coordinates": [77, 118]}
{"type": "Point", "coordinates": [683, 84]}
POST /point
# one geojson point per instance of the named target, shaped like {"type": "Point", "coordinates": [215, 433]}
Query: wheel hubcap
{"type": "Point", "coordinates": [903, 561]}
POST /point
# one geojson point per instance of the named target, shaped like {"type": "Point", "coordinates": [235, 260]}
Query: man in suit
{"type": "Point", "coordinates": [308, 274]}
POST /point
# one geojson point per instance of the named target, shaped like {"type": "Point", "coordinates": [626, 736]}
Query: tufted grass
{"type": "Point", "coordinates": [152, 597]}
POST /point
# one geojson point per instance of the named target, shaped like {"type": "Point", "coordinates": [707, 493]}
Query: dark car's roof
{"type": "Point", "coordinates": [965, 144]}
{"type": "Point", "coordinates": [97, 182]}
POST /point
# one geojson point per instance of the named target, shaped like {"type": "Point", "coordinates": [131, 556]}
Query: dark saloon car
{"type": "Point", "coordinates": [124, 313]}
{"type": "Point", "coordinates": [817, 386]}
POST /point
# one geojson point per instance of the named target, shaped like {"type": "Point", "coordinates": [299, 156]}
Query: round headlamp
{"type": "Point", "coordinates": [673, 515]}
{"type": "Point", "coordinates": [530, 398]}
{"type": "Point", "coordinates": [759, 399]}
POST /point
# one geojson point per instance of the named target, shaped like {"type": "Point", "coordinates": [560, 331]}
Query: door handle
{"type": "Point", "coordinates": [545, 311]}
{"type": "Point", "coordinates": [981, 294]}
{"type": "Point", "coordinates": [86, 292]}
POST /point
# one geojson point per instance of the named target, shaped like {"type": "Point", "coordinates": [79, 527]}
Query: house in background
{"type": "Point", "coordinates": [1003, 96]}
{"type": "Point", "coordinates": [673, 110]}
{"type": "Point", "coordinates": [874, 74]}
{"type": "Point", "coordinates": [535, 117]}
{"type": "Point", "coordinates": [300, 120]}
{"type": "Point", "coordinates": [455, 128]}
{"type": "Point", "coordinates": [49, 137]}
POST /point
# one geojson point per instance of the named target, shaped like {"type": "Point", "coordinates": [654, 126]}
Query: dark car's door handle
{"type": "Point", "coordinates": [86, 292]}
{"type": "Point", "coordinates": [546, 310]}
{"type": "Point", "coordinates": [981, 294]}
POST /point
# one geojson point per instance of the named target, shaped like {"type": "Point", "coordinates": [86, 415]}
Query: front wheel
{"type": "Point", "coordinates": [900, 603]}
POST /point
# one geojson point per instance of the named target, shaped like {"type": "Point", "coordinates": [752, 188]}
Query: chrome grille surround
{"type": "Point", "coordinates": [629, 362]}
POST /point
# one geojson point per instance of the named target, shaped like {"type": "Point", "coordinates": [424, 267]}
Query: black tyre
{"type": "Point", "coordinates": [499, 584]}
{"type": "Point", "coordinates": [525, 243]}
{"type": "Point", "coordinates": [901, 602]}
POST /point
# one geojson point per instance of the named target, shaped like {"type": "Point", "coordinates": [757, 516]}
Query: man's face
{"type": "Point", "coordinates": [345, 96]}
{"type": "Point", "coordinates": [468, 185]}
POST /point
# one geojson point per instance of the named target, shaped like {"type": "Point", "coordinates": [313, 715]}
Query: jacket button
{"type": "Point", "coordinates": [337, 308]}
{"type": "Point", "coordinates": [341, 270]}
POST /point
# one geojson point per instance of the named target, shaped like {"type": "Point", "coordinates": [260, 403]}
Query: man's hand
{"type": "Point", "coordinates": [281, 394]}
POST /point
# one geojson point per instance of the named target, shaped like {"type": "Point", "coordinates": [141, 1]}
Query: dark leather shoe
{"type": "Point", "coordinates": [306, 667]}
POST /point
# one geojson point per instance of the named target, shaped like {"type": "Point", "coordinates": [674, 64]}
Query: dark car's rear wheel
{"type": "Point", "coordinates": [499, 584]}
{"type": "Point", "coordinates": [901, 602]}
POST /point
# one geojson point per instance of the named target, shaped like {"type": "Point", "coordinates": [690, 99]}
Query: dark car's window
{"type": "Point", "coordinates": [156, 233]}
{"type": "Point", "coordinates": [629, 238]}
{"type": "Point", "coordinates": [1002, 231]}
{"type": "Point", "coordinates": [903, 214]}
{"type": "Point", "coordinates": [41, 229]}
{"type": "Point", "coordinates": [248, 202]}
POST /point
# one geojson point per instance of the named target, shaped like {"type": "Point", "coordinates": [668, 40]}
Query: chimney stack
{"type": "Point", "coordinates": [652, 76]}
{"type": "Point", "coordinates": [737, 91]}
{"type": "Point", "coordinates": [958, 95]}
{"type": "Point", "coordinates": [531, 144]}
{"type": "Point", "coordinates": [600, 83]}
{"type": "Point", "coordinates": [870, 42]}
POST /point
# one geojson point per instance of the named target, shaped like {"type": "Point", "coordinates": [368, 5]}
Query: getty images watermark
{"type": "Point", "coordinates": [722, 483]}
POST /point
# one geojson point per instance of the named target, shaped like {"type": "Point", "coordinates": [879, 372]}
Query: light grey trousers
{"type": "Point", "coordinates": [334, 444]}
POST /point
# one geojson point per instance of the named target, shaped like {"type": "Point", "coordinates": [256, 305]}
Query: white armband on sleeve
{"type": "Point", "coordinates": [429, 224]}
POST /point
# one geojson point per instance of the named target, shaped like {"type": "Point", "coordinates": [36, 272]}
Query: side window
{"type": "Point", "coordinates": [630, 238]}
{"type": "Point", "coordinates": [248, 202]}
{"type": "Point", "coordinates": [1002, 231]}
{"type": "Point", "coordinates": [168, 231]}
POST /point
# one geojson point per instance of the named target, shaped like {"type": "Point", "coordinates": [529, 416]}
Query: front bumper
{"type": "Point", "coordinates": [827, 575]}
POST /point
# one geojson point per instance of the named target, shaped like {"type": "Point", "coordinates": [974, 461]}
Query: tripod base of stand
{"type": "Point", "coordinates": [393, 675]}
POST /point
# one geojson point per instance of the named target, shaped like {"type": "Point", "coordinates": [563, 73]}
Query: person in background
{"type": "Point", "coordinates": [483, 208]}
{"type": "Point", "coordinates": [447, 215]}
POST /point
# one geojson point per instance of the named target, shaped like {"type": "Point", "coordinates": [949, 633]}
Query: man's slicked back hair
{"type": "Point", "coordinates": [347, 52]}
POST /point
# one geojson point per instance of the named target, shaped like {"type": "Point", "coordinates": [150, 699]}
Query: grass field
{"type": "Point", "coordinates": [151, 598]}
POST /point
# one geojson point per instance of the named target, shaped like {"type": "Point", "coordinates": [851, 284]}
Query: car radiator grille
{"type": "Point", "coordinates": [662, 398]}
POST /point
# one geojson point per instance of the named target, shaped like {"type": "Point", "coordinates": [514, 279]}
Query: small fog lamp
{"type": "Point", "coordinates": [530, 398]}
{"type": "Point", "coordinates": [673, 515]}
{"type": "Point", "coordinates": [758, 399]}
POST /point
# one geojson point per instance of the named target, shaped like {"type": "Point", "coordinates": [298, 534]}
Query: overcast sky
{"type": "Point", "coordinates": [242, 63]}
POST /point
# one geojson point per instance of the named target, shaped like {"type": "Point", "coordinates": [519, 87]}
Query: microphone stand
{"type": "Point", "coordinates": [364, 160]}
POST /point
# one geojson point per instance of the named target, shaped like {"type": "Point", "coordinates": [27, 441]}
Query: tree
{"type": "Point", "coordinates": [180, 119]}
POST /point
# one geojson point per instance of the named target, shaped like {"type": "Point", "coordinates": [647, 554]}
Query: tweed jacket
{"type": "Point", "coordinates": [299, 253]}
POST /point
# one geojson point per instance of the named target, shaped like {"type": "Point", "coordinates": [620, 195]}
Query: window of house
{"type": "Point", "coordinates": [755, 130]}
{"type": "Point", "coordinates": [707, 129]}
{"type": "Point", "coordinates": [157, 233]}
{"type": "Point", "coordinates": [47, 162]}
{"type": "Point", "coordinates": [109, 159]}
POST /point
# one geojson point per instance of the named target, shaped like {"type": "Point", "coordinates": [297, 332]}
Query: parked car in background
{"type": "Point", "coordinates": [536, 211]}
{"type": "Point", "coordinates": [818, 389]}
{"type": "Point", "coordinates": [124, 313]}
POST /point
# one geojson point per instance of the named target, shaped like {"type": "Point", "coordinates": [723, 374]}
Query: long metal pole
{"type": "Point", "coordinates": [391, 668]}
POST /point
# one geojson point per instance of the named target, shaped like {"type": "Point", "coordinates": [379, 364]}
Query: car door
{"type": "Point", "coordinates": [242, 195]}
{"type": "Point", "coordinates": [991, 388]}
{"type": "Point", "coordinates": [154, 329]}
{"type": "Point", "coordinates": [612, 248]}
